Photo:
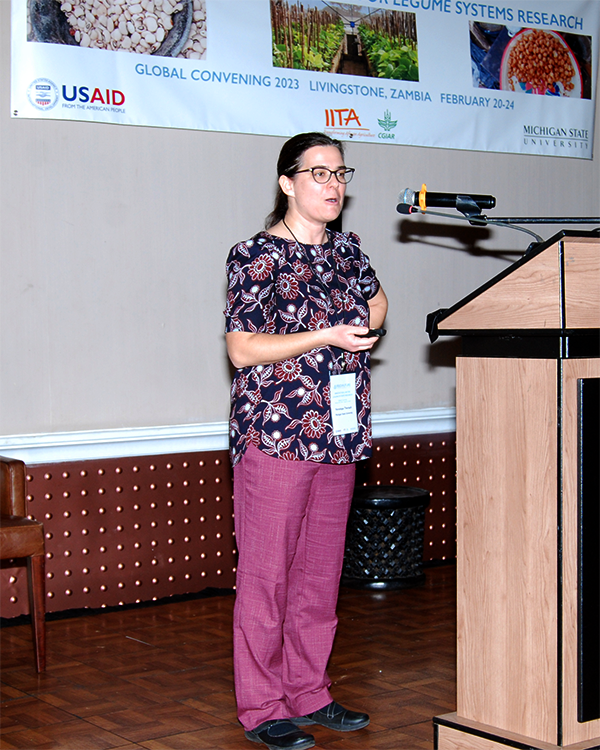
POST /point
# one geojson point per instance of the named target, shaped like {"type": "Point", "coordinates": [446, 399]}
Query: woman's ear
{"type": "Point", "coordinates": [287, 185]}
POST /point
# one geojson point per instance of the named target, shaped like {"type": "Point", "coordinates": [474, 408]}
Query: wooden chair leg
{"type": "Point", "coordinates": [36, 567]}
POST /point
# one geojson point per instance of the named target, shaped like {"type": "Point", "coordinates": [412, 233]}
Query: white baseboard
{"type": "Point", "coordinates": [54, 447]}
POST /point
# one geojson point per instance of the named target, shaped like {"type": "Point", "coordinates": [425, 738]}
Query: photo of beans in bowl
{"type": "Point", "coordinates": [540, 62]}
{"type": "Point", "coordinates": [167, 28]}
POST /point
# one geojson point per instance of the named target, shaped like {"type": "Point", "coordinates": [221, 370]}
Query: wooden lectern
{"type": "Point", "coordinates": [528, 497]}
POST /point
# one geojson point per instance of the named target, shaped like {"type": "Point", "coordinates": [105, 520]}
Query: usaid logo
{"type": "Point", "coordinates": [43, 94]}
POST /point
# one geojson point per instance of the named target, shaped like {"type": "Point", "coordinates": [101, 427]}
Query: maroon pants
{"type": "Point", "coordinates": [290, 525]}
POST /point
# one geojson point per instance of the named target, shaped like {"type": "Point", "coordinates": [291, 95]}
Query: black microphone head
{"type": "Point", "coordinates": [404, 208]}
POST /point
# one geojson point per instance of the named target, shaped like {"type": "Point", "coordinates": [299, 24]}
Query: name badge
{"type": "Point", "coordinates": [343, 403]}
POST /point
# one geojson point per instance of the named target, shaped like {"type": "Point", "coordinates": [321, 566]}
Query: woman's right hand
{"type": "Point", "coordinates": [351, 338]}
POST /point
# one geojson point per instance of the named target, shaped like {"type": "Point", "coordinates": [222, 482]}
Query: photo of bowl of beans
{"type": "Point", "coordinates": [537, 61]}
{"type": "Point", "coordinates": [165, 28]}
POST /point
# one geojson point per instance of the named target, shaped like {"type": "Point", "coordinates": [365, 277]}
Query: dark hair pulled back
{"type": "Point", "coordinates": [290, 159]}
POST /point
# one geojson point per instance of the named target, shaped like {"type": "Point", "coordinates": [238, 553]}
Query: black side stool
{"type": "Point", "coordinates": [384, 538]}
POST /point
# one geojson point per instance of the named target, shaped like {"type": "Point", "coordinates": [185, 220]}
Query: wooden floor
{"type": "Point", "coordinates": [160, 677]}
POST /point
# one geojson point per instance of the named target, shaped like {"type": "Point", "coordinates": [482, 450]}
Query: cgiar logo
{"type": "Point", "coordinates": [43, 93]}
{"type": "Point", "coordinates": [387, 124]}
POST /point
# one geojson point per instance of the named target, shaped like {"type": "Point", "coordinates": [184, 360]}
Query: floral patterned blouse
{"type": "Point", "coordinates": [282, 286]}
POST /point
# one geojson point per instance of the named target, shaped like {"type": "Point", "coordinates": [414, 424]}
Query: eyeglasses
{"type": "Point", "coordinates": [322, 175]}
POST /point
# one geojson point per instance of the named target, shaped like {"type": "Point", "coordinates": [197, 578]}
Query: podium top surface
{"type": "Point", "coordinates": [552, 289]}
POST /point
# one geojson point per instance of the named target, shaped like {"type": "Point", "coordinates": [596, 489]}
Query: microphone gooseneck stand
{"type": "Point", "coordinates": [472, 213]}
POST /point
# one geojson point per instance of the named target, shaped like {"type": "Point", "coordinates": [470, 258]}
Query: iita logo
{"type": "Point", "coordinates": [387, 124]}
{"type": "Point", "coordinates": [43, 94]}
{"type": "Point", "coordinates": [341, 118]}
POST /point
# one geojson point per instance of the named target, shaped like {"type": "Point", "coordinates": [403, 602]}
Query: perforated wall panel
{"type": "Point", "coordinates": [129, 530]}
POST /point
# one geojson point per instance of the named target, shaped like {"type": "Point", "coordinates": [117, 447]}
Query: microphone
{"type": "Point", "coordinates": [467, 204]}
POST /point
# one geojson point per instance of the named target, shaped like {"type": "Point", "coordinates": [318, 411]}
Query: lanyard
{"type": "Point", "coordinates": [342, 356]}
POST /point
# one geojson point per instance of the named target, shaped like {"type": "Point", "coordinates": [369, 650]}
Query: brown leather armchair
{"type": "Point", "coordinates": [21, 537]}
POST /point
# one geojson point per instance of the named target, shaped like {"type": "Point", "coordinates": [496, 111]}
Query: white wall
{"type": "Point", "coordinates": [112, 248]}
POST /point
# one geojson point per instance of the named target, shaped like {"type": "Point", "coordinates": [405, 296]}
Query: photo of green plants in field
{"type": "Point", "coordinates": [344, 38]}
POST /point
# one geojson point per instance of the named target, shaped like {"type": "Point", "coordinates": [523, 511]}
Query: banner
{"type": "Point", "coordinates": [513, 77]}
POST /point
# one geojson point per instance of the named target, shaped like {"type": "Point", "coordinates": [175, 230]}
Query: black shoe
{"type": "Point", "coordinates": [279, 734]}
{"type": "Point", "coordinates": [334, 716]}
